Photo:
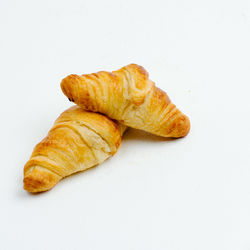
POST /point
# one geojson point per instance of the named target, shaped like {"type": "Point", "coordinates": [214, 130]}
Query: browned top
{"type": "Point", "coordinates": [78, 140]}
{"type": "Point", "coordinates": [129, 96]}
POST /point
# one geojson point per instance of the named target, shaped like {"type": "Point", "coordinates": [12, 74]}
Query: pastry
{"type": "Point", "coordinates": [78, 140]}
{"type": "Point", "coordinates": [129, 96]}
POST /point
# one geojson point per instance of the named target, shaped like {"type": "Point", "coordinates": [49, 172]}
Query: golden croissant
{"type": "Point", "coordinates": [78, 140]}
{"type": "Point", "coordinates": [129, 96]}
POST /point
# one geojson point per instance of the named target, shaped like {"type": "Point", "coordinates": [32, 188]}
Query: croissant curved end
{"type": "Point", "coordinates": [67, 85]}
{"type": "Point", "coordinates": [182, 127]}
{"type": "Point", "coordinates": [39, 180]}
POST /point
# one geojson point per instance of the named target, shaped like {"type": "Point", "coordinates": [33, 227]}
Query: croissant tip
{"type": "Point", "coordinates": [39, 180]}
{"type": "Point", "coordinates": [181, 127]}
{"type": "Point", "coordinates": [66, 85]}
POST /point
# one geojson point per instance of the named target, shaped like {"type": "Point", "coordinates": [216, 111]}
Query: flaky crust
{"type": "Point", "coordinates": [129, 96]}
{"type": "Point", "coordinates": [78, 140]}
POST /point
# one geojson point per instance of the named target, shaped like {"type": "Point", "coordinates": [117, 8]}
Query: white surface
{"type": "Point", "coordinates": [192, 193]}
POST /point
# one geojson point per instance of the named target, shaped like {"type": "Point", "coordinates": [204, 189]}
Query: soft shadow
{"type": "Point", "coordinates": [79, 174]}
{"type": "Point", "coordinates": [135, 134]}
{"type": "Point", "coordinates": [23, 193]}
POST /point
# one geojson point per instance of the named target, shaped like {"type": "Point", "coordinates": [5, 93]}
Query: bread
{"type": "Point", "coordinates": [129, 96]}
{"type": "Point", "coordinates": [78, 140]}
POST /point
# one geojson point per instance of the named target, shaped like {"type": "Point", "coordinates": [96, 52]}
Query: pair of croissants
{"type": "Point", "coordinates": [90, 132]}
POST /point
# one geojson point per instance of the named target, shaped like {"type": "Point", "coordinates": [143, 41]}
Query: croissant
{"type": "Point", "coordinates": [78, 140]}
{"type": "Point", "coordinates": [129, 96]}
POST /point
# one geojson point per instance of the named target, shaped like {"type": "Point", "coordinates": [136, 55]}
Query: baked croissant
{"type": "Point", "coordinates": [78, 140]}
{"type": "Point", "coordinates": [129, 96]}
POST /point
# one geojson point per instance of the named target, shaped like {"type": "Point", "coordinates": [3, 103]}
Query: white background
{"type": "Point", "coordinates": [154, 194]}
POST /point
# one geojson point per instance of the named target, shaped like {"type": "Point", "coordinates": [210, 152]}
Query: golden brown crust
{"type": "Point", "coordinates": [129, 96]}
{"type": "Point", "coordinates": [39, 180]}
{"type": "Point", "coordinates": [78, 140]}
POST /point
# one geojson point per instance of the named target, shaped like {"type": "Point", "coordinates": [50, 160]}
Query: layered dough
{"type": "Point", "coordinates": [78, 140]}
{"type": "Point", "coordinates": [129, 96]}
